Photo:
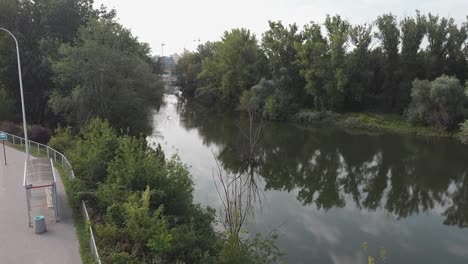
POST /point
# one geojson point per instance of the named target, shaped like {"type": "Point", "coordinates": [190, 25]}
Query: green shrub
{"type": "Point", "coordinates": [463, 134]}
{"type": "Point", "coordinates": [207, 95]}
{"type": "Point", "coordinates": [12, 128]}
{"type": "Point", "coordinates": [92, 151]}
{"type": "Point", "coordinates": [272, 109]}
{"type": "Point", "coordinates": [316, 116]}
{"type": "Point", "coordinates": [269, 99]}
{"type": "Point", "coordinates": [258, 250]}
{"type": "Point", "coordinates": [121, 258]}
{"type": "Point", "coordinates": [40, 134]}
{"type": "Point", "coordinates": [141, 204]}
{"type": "Point", "coordinates": [62, 140]}
{"type": "Point", "coordinates": [438, 103]}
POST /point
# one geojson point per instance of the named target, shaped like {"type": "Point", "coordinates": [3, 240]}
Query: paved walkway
{"type": "Point", "coordinates": [18, 242]}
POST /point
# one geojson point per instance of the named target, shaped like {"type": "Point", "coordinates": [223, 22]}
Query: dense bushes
{"type": "Point", "coordinates": [268, 99]}
{"type": "Point", "coordinates": [141, 203]}
{"type": "Point", "coordinates": [35, 132]}
{"type": "Point", "coordinates": [11, 128]}
{"type": "Point", "coordinates": [63, 140]}
{"type": "Point", "coordinates": [309, 116]}
{"type": "Point", "coordinates": [438, 103]}
{"type": "Point", "coordinates": [463, 134]}
{"type": "Point", "coordinates": [40, 134]}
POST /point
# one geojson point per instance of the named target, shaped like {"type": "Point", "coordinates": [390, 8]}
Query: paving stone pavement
{"type": "Point", "coordinates": [18, 242]}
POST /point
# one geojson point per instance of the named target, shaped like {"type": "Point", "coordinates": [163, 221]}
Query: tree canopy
{"type": "Point", "coordinates": [77, 63]}
{"type": "Point", "coordinates": [332, 65]}
{"type": "Point", "coordinates": [237, 65]}
{"type": "Point", "coordinates": [105, 75]}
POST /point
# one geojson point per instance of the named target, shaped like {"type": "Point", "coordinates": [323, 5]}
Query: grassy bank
{"type": "Point", "coordinates": [373, 122]}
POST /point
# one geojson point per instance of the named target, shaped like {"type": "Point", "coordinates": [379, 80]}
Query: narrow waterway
{"type": "Point", "coordinates": [328, 190]}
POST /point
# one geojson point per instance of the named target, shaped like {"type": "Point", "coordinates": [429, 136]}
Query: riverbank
{"type": "Point", "coordinates": [344, 182]}
{"type": "Point", "coordinates": [369, 121]}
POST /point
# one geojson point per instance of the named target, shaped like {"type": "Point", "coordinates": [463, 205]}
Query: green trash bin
{"type": "Point", "coordinates": [39, 224]}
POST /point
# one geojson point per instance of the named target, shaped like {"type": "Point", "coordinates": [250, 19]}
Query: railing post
{"type": "Point", "coordinates": [71, 175]}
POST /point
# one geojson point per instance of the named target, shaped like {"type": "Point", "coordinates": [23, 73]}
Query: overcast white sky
{"type": "Point", "coordinates": [178, 23]}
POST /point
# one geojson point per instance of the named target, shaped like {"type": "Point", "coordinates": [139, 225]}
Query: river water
{"type": "Point", "coordinates": [327, 191]}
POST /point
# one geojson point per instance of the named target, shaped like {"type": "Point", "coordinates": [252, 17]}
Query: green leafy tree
{"type": "Point", "coordinates": [237, 65]}
{"type": "Point", "coordinates": [389, 35]}
{"type": "Point", "coordinates": [438, 103]}
{"type": "Point", "coordinates": [457, 61]}
{"type": "Point", "coordinates": [91, 152]}
{"type": "Point", "coordinates": [279, 44]}
{"type": "Point", "coordinates": [338, 37]}
{"type": "Point", "coordinates": [106, 75]}
{"type": "Point", "coordinates": [413, 31]}
{"type": "Point", "coordinates": [40, 27]}
{"type": "Point", "coordinates": [323, 59]}
{"type": "Point", "coordinates": [314, 57]}
{"type": "Point", "coordinates": [446, 49]}
{"type": "Point", "coordinates": [436, 50]}
{"type": "Point", "coordinates": [189, 67]}
{"type": "Point", "coordinates": [359, 69]}
{"type": "Point", "coordinates": [187, 70]}
{"type": "Point", "coordinates": [463, 134]}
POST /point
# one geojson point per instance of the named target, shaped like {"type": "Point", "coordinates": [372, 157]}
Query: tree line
{"type": "Point", "coordinates": [335, 66]}
{"type": "Point", "coordinates": [78, 63]}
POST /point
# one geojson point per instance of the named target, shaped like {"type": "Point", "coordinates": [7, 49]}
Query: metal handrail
{"type": "Point", "coordinates": [52, 154]}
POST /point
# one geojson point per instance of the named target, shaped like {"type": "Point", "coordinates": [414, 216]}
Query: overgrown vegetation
{"type": "Point", "coordinates": [438, 103]}
{"type": "Point", "coordinates": [340, 67]}
{"type": "Point", "coordinates": [141, 203]}
{"type": "Point", "coordinates": [35, 132]}
{"type": "Point", "coordinates": [390, 123]}
{"type": "Point", "coordinates": [463, 134]}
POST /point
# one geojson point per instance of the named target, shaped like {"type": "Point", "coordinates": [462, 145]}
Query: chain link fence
{"type": "Point", "coordinates": [39, 149]}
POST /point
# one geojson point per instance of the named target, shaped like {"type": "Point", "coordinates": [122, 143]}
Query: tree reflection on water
{"type": "Point", "coordinates": [332, 168]}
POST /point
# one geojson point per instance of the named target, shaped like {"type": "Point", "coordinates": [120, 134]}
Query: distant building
{"type": "Point", "coordinates": [167, 63]}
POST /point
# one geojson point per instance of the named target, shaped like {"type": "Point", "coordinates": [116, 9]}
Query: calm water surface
{"type": "Point", "coordinates": [330, 190]}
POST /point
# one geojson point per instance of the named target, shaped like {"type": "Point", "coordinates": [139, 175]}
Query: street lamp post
{"type": "Point", "coordinates": [21, 92]}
